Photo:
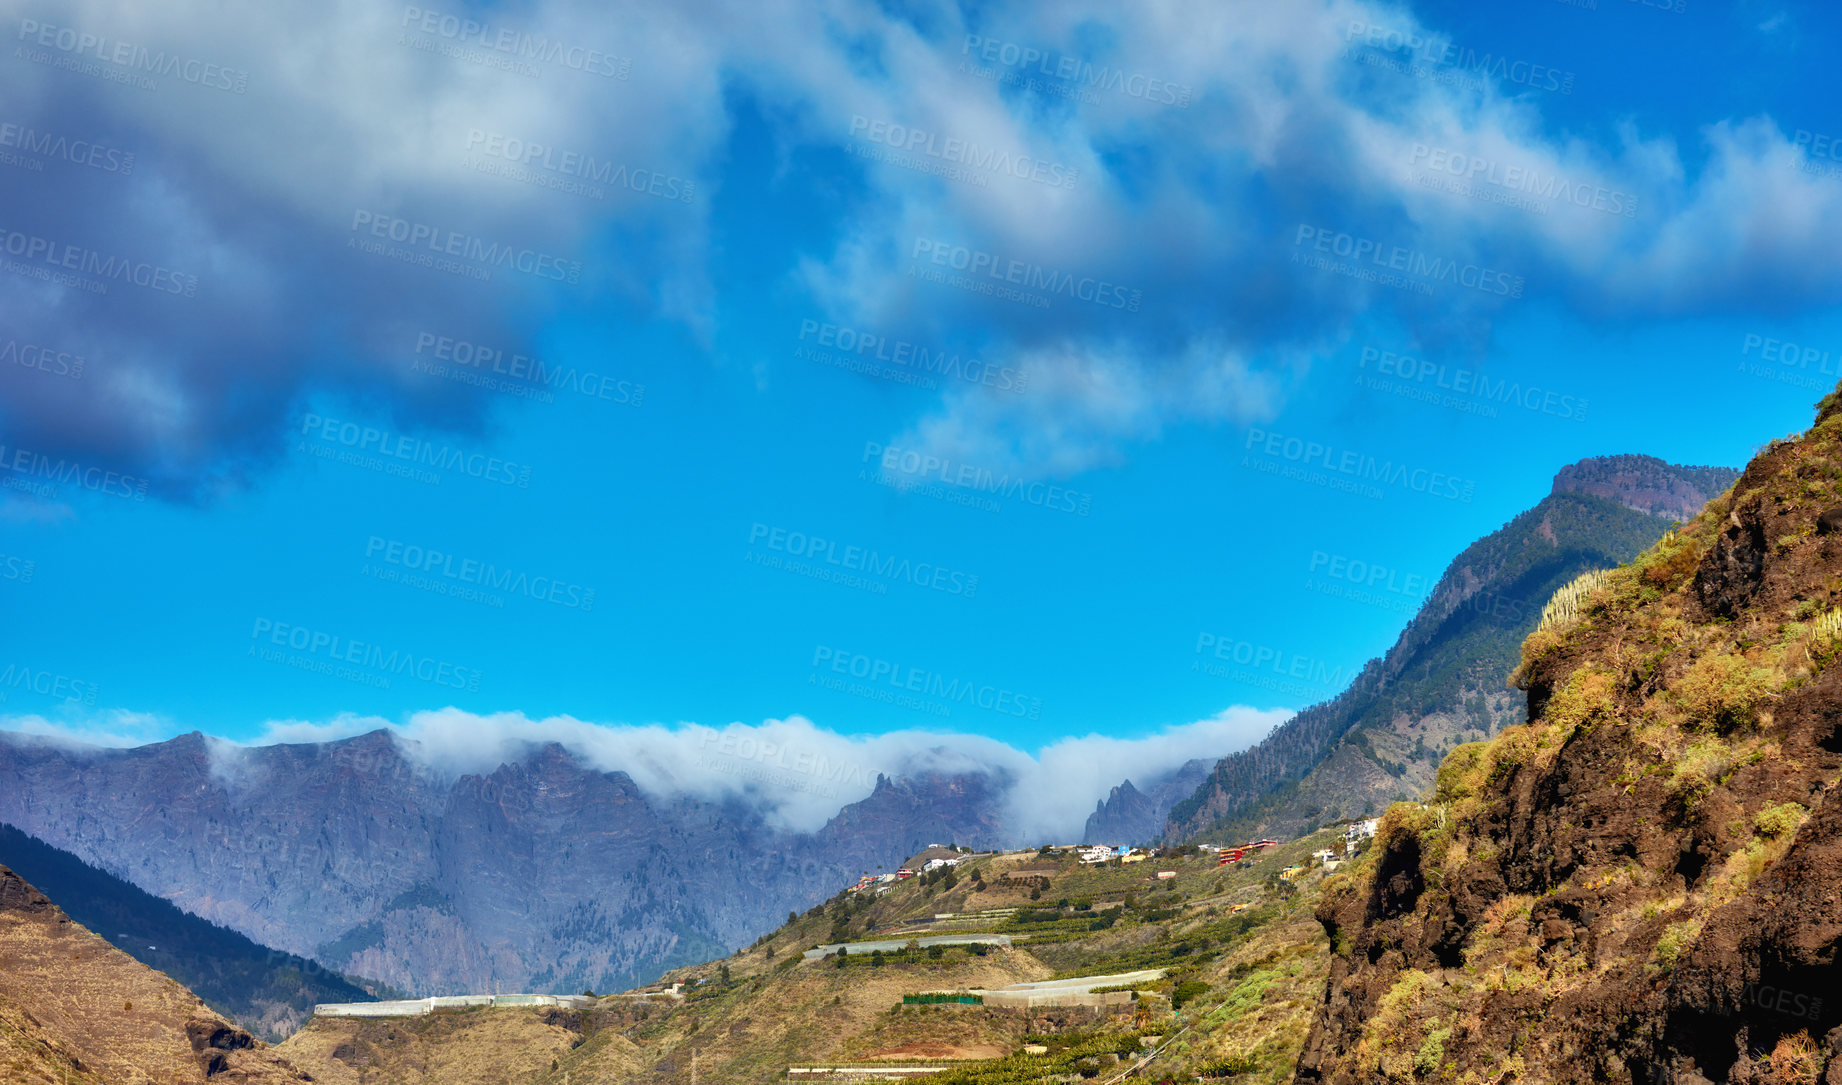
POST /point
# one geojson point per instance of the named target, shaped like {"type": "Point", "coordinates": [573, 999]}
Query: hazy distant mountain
{"type": "Point", "coordinates": [1443, 682]}
{"type": "Point", "coordinates": [545, 874]}
{"type": "Point", "coordinates": [1131, 816]}
{"type": "Point", "coordinates": [269, 992]}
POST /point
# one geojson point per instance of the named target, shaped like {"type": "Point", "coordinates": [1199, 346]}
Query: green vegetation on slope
{"type": "Point", "coordinates": [1243, 955]}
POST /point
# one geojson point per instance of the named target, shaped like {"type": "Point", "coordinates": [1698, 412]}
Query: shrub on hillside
{"type": "Point", "coordinates": [1723, 692]}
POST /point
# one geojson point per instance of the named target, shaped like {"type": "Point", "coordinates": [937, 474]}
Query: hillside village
{"type": "Point", "coordinates": [937, 857]}
{"type": "Point", "coordinates": [959, 966]}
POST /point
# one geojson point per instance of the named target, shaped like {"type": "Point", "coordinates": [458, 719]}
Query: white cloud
{"type": "Point", "coordinates": [115, 728]}
{"type": "Point", "coordinates": [794, 772]}
{"type": "Point", "coordinates": [1085, 401]}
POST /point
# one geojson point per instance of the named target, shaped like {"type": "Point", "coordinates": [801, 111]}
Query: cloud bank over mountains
{"type": "Point", "coordinates": [794, 772]}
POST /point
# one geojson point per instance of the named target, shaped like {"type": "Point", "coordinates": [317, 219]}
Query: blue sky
{"type": "Point", "coordinates": [737, 244]}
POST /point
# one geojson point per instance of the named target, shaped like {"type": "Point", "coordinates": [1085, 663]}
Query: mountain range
{"type": "Point", "coordinates": [544, 874]}
{"type": "Point", "coordinates": [1632, 883]}
{"type": "Point", "coordinates": [548, 873]}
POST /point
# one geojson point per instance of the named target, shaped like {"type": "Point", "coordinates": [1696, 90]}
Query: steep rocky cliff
{"type": "Point", "coordinates": [1639, 885]}
{"type": "Point", "coordinates": [1442, 681]}
{"type": "Point", "coordinates": [545, 874]}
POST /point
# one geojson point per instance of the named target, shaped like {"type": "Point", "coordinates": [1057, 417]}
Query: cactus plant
{"type": "Point", "coordinates": [1565, 604]}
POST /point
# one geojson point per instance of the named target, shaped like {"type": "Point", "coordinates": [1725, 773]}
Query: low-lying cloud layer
{"type": "Point", "coordinates": [795, 772]}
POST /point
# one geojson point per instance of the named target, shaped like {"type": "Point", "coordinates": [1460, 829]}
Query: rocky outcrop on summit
{"type": "Point", "coordinates": [1442, 681]}
{"type": "Point", "coordinates": [545, 875]}
{"type": "Point", "coordinates": [1638, 885]}
{"type": "Point", "coordinates": [1646, 484]}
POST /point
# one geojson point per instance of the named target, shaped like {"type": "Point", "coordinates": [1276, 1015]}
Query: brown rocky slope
{"type": "Point", "coordinates": [1643, 884]}
{"type": "Point", "coordinates": [75, 1009]}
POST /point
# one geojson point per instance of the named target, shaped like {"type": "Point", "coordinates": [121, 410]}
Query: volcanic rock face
{"type": "Point", "coordinates": [545, 874]}
{"type": "Point", "coordinates": [1640, 884]}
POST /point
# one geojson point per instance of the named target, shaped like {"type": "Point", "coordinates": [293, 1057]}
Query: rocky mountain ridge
{"type": "Point", "coordinates": [1442, 681]}
{"type": "Point", "coordinates": [546, 874]}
